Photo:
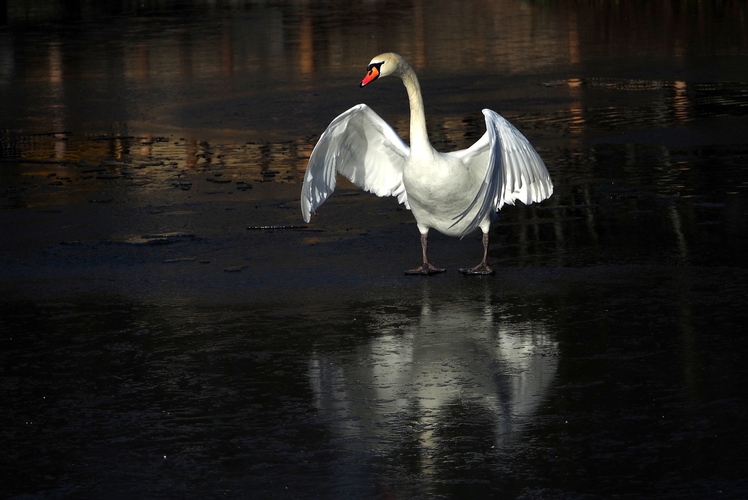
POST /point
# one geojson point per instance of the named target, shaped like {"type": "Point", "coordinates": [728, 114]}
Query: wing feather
{"type": "Point", "coordinates": [513, 170]}
{"type": "Point", "coordinates": [360, 145]}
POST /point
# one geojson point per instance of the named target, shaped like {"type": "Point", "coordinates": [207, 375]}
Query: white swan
{"type": "Point", "coordinates": [454, 193]}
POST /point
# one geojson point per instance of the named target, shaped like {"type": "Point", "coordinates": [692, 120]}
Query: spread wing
{"type": "Point", "coordinates": [360, 145]}
{"type": "Point", "coordinates": [513, 170]}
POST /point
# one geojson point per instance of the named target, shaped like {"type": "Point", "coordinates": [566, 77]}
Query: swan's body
{"type": "Point", "coordinates": [454, 193]}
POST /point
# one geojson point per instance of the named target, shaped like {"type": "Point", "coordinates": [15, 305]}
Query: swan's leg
{"type": "Point", "coordinates": [426, 267]}
{"type": "Point", "coordinates": [483, 267]}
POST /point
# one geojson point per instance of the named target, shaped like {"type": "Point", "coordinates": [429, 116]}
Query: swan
{"type": "Point", "coordinates": [454, 193]}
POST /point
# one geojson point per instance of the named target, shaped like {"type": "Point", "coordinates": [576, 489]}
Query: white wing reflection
{"type": "Point", "coordinates": [412, 378]}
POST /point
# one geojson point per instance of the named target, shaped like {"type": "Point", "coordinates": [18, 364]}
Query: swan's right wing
{"type": "Point", "coordinates": [513, 170]}
{"type": "Point", "coordinates": [360, 145]}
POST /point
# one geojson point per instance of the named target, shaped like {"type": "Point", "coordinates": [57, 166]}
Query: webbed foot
{"type": "Point", "coordinates": [481, 269]}
{"type": "Point", "coordinates": [425, 269]}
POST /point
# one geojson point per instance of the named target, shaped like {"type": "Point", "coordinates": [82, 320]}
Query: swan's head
{"type": "Point", "coordinates": [385, 64]}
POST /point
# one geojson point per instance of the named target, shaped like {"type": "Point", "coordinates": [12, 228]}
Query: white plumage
{"type": "Point", "coordinates": [454, 193]}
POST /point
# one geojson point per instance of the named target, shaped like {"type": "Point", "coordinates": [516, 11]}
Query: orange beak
{"type": "Point", "coordinates": [371, 75]}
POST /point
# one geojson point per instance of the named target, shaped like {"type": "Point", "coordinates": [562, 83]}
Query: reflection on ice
{"type": "Point", "coordinates": [466, 361]}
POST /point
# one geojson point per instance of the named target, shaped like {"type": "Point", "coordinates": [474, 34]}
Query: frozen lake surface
{"type": "Point", "coordinates": [171, 328]}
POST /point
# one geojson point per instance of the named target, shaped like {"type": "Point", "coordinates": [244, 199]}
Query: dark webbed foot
{"type": "Point", "coordinates": [425, 269]}
{"type": "Point", "coordinates": [481, 269]}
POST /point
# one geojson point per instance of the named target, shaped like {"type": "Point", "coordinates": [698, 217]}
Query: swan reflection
{"type": "Point", "coordinates": [431, 367]}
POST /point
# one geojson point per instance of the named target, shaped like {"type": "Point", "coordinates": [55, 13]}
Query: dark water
{"type": "Point", "coordinates": [168, 331]}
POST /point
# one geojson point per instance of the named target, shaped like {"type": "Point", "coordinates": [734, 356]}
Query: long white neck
{"type": "Point", "coordinates": [419, 138]}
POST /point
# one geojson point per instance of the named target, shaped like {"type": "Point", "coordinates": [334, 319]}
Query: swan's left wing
{"type": "Point", "coordinates": [514, 170]}
{"type": "Point", "coordinates": [360, 145]}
